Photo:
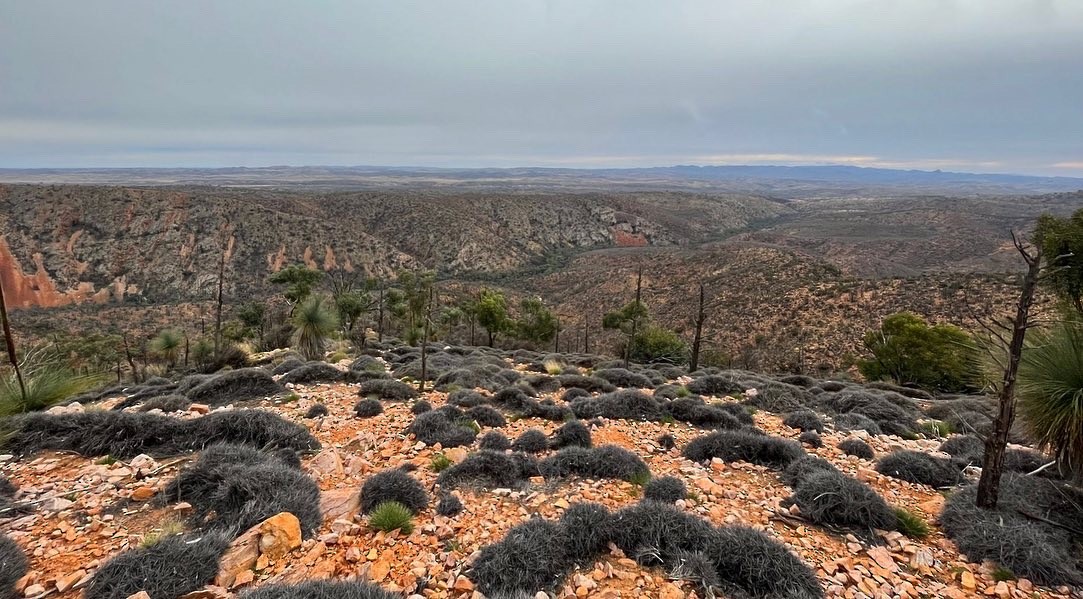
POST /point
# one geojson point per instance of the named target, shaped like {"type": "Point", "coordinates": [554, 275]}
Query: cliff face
{"type": "Point", "coordinates": [72, 244]}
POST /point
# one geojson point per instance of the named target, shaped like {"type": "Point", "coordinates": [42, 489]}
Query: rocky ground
{"type": "Point", "coordinates": [86, 511]}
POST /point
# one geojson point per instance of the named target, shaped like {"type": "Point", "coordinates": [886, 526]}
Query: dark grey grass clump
{"type": "Point", "coordinates": [368, 408]}
{"type": "Point", "coordinates": [604, 462]}
{"type": "Point", "coordinates": [494, 440]}
{"type": "Point", "coordinates": [830, 497]}
{"type": "Point", "coordinates": [531, 441]}
{"type": "Point", "coordinates": [313, 372]}
{"type": "Point", "coordinates": [172, 567]}
{"type": "Point", "coordinates": [489, 469]}
{"type": "Point", "coordinates": [393, 485]}
{"type": "Point", "coordinates": [857, 447]}
{"type": "Point", "coordinates": [436, 427]}
{"type": "Point", "coordinates": [319, 589]}
{"type": "Point", "coordinates": [387, 389]}
{"type": "Point", "coordinates": [571, 434]}
{"type": "Point", "coordinates": [13, 566]}
{"type": "Point", "coordinates": [316, 411]}
{"type": "Point", "coordinates": [667, 489]}
{"type": "Point", "coordinates": [919, 467]}
{"type": "Point", "coordinates": [244, 384]}
{"type": "Point", "coordinates": [742, 446]}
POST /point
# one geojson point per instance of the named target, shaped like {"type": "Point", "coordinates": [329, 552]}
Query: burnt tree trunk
{"type": "Point", "coordinates": [380, 318]}
{"type": "Point", "coordinates": [697, 337]}
{"type": "Point", "coordinates": [9, 340]}
{"type": "Point", "coordinates": [995, 443]}
{"type": "Point", "coordinates": [218, 301]}
{"type": "Point", "coordinates": [635, 317]}
{"type": "Point", "coordinates": [425, 343]}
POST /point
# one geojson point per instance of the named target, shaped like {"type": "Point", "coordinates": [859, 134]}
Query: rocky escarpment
{"type": "Point", "coordinates": [70, 244]}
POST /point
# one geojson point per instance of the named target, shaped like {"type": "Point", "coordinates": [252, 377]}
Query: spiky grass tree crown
{"type": "Point", "coordinates": [314, 320]}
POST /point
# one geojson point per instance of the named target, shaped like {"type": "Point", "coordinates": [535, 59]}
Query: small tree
{"type": "Point", "coordinates": [407, 302]}
{"type": "Point", "coordinates": [167, 346]}
{"type": "Point", "coordinates": [491, 310]}
{"type": "Point", "coordinates": [656, 344]}
{"type": "Point", "coordinates": [252, 315]}
{"type": "Point", "coordinates": [911, 352]}
{"type": "Point", "coordinates": [1061, 241]}
{"type": "Point", "coordinates": [299, 281]}
{"type": "Point", "coordinates": [536, 323]}
{"type": "Point", "coordinates": [314, 322]}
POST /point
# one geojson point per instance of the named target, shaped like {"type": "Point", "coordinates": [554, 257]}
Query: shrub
{"type": "Point", "coordinates": [387, 389]}
{"type": "Point", "coordinates": [531, 557]}
{"type": "Point", "coordinates": [393, 485]}
{"type": "Point", "coordinates": [420, 407]}
{"type": "Point", "coordinates": [622, 377]}
{"type": "Point", "coordinates": [895, 414]}
{"type": "Point", "coordinates": [571, 434]}
{"type": "Point", "coordinates": [667, 489]}
{"type": "Point", "coordinates": [1045, 551]}
{"type": "Point", "coordinates": [742, 446]}
{"type": "Point", "coordinates": [779, 398]}
{"type": "Point", "coordinates": [830, 497]}
{"type": "Point", "coordinates": [810, 438]}
{"type": "Point", "coordinates": [199, 481]}
{"type": "Point", "coordinates": [743, 414]}
{"type": "Point", "coordinates": [488, 469]}
{"type": "Point", "coordinates": [909, 351]}
{"type": "Point", "coordinates": [761, 565]}
{"type": "Point", "coordinates": [391, 515]}
{"type": "Point", "coordinates": [804, 420]}
{"type": "Point", "coordinates": [316, 411]}
{"type": "Point", "coordinates": [449, 505]}
{"type": "Point", "coordinates": [235, 386]}
{"type": "Point", "coordinates": [513, 398]}
{"type": "Point", "coordinates": [910, 524]}
{"type": "Point", "coordinates": [919, 467]}
{"type": "Point", "coordinates": [367, 363]}
{"type": "Point", "coordinates": [547, 410]}
{"type": "Point", "coordinates": [287, 365]}
{"type": "Point", "coordinates": [172, 567]}
{"type": "Point", "coordinates": [319, 589]}
{"type": "Point", "coordinates": [586, 528]}
{"type": "Point", "coordinates": [486, 416]}
{"type": "Point", "coordinates": [435, 427]}
{"type": "Point", "coordinates": [13, 565]}
{"type": "Point", "coordinates": [313, 372]}
{"type": "Point", "coordinates": [606, 461]}
{"type": "Point", "coordinates": [857, 447]}
{"type": "Point", "coordinates": [256, 428]}
{"type": "Point", "coordinates": [624, 404]}
{"type": "Point", "coordinates": [494, 440]}
{"type": "Point", "coordinates": [166, 403]}
{"type": "Point", "coordinates": [368, 407]}
{"type": "Point", "coordinates": [666, 441]}
{"type": "Point", "coordinates": [531, 441]}
{"type": "Point", "coordinates": [856, 422]}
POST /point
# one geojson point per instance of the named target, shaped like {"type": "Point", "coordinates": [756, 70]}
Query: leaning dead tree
{"type": "Point", "coordinates": [1006, 352]}
{"type": "Point", "coordinates": [9, 340]}
{"type": "Point", "coordinates": [697, 337]}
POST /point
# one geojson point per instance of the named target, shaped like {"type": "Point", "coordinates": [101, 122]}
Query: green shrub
{"type": "Point", "coordinates": [907, 350]}
{"type": "Point", "coordinates": [440, 462]}
{"type": "Point", "coordinates": [392, 515]}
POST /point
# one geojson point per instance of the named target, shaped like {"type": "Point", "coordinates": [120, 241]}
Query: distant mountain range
{"type": "Point", "coordinates": [795, 181]}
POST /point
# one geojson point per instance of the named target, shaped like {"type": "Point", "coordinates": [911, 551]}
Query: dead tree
{"type": "Point", "coordinates": [425, 342]}
{"type": "Point", "coordinates": [221, 280]}
{"type": "Point", "coordinates": [9, 340]}
{"type": "Point", "coordinates": [697, 337]}
{"type": "Point", "coordinates": [635, 316]}
{"type": "Point", "coordinates": [1007, 355]}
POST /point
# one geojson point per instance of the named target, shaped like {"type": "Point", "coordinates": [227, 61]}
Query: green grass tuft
{"type": "Point", "coordinates": [392, 515]}
{"type": "Point", "coordinates": [910, 524]}
{"type": "Point", "coordinates": [440, 462]}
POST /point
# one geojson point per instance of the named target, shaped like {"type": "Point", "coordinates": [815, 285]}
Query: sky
{"type": "Point", "coordinates": [969, 85]}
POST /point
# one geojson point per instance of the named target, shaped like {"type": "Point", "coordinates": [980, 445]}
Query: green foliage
{"type": "Point", "coordinates": [252, 315]}
{"type": "Point", "coordinates": [624, 318]}
{"type": "Point", "coordinates": [909, 351]}
{"type": "Point", "coordinates": [167, 346]}
{"type": "Point", "coordinates": [640, 478]}
{"type": "Point", "coordinates": [910, 524]}
{"type": "Point", "coordinates": [1061, 240]}
{"type": "Point", "coordinates": [351, 306]}
{"type": "Point", "coordinates": [1050, 391]}
{"type": "Point", "coordinates": [536, 322]}
{"type": "Point", "coordinates": [937, 428]}
{"type": "Point", "coordinates": [314, 322]}
{"type": "Point", "coordinates": [299, 281]}
{"type": "Point", "coordinates": [491, 312]}
{"type": "Point", "coordinates": [406, 302]}
{"type": "Point", "coordinates": [392, 515]}
{"type": "Point", "coordinates": [1002, 574]}
{"type": "Point", "coordinates": [656, 344]}
{"type": "Point", "coordinates": [48, 381]}
{"type": "Point", "coordinates": [440, 462]}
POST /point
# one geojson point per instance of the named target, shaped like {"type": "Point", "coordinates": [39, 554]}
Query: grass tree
{"type": "Point", "coordinates": [314, 320]}
{"type": "Point", "coordinates": [1050, 391]}
{"type": "Point", "coordinates": [167, 346]}
{"type": "Point", "coordinates": [44, 379]}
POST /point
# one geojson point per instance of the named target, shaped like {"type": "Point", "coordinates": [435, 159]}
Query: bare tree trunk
{"type": "Point", "coordinates": [635, 317]}
{"type": "Point", "coordinates": [586, 337]}
{"type": "Point", "coordinates": [425, 343]}
{"type": "Point", "coordinates": [380, 318]}
{"type": "Point", "coordinates": [993, 464]}
{"type": "Point", "coordinates": [556, 339]}
{"type": "Point", "coordinates": [218, 307]}
{"type": "Point", "coordinates": [187, 348]}
{"type": "Point", "coordinates": [697, 338]}
{"type": "Point", "coordinates": [131, 360]}
{"type": "Point", "coordinates": [9, 340]}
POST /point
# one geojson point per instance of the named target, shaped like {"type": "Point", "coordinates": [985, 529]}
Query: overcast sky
{"type": "Point", "coordinates": [975, 85]}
